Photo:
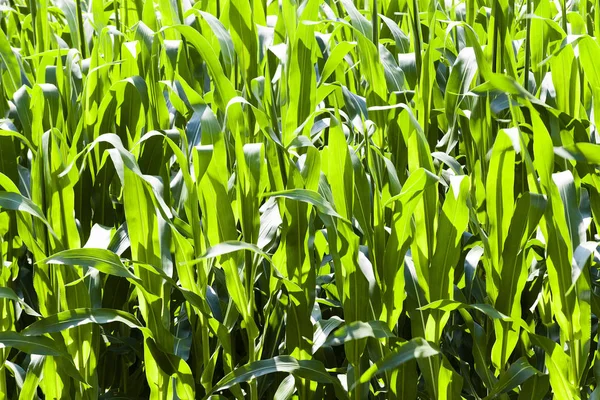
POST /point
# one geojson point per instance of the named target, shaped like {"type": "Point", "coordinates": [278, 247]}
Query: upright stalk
{"type": "Point", "coordinates": [527, 48]}
{"type": "Point", "coordinates": [3, 388]}
{"type": "Point", "coordinates": [82, 42]}
{"type": "Point", "coordinates": [249, 262]}
{"type": "Point", "coordinates": [418, 37]}
{"type": "Point", "coordinates": [564, 16]}
{"type": "Point", "coordinates": [597, 22]}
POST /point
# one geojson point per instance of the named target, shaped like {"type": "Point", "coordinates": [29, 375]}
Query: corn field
{"type": "Point", "coordinates": [299, 199]}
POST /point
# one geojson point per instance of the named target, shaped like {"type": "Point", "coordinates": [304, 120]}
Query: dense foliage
{"type": "Point", "coordinates": [392, 199]}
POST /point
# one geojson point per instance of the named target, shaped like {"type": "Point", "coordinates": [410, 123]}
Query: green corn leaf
{"type": "Point", "coordinates": [30, 344]}
{"type": "Point", "coordinates": [557, 364]}
{"type": "Point", "coordinates": [103, 260]}
{"type": "Point", "coordinates": [535, 387]}
{"type": "Point", "coordinates": [77, 317]}
{"type": "Point", "coordinates": [308, 369]}
{"type": "Point", "coordinates": [8, 293]}
{"type": "Point", "coordinates": [414, 349]}
{"type": "Point", "coordinates": [9, 61]}
{"type": "Point", "coordinates": [359, 330]}
{"type": "Point", "coordinates": [309, 197]}
{"type": "Point", "coordinates": [16, 202]}
{"type": "Point", "coordinates": [582, 152]}
{"type": "Point", "coordinates": [461, 77]}
{"type": "Point", "coordinates": [519, 372]}
{"type": "Point", "coordinates": [32, 377]}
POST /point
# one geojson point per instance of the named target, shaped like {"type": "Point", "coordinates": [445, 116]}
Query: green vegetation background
{"type": "Point", "coordinates": [392, 199]}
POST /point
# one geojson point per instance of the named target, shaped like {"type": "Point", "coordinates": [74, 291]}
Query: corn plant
{"type": "Point", "coordinates": [299, 199]}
